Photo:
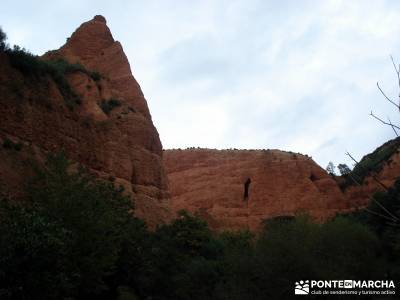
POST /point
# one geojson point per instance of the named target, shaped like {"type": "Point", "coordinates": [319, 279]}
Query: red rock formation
{"type": "Point", "coordinates": [123, 144]}
{"type": "Point", "coordinates": [211, 184]}
{"type": "Point", "coordinates": [93, 46]}
{"type": "Point", "coordinates": [359, 195]}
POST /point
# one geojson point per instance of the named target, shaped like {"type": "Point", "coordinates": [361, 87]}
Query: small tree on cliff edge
{"type": "Point", "coordinates": [3, 38]}
{"type": "Point", "coordinates": [330, 168]}
{"type": "Point", "coordinates": [344, 169]}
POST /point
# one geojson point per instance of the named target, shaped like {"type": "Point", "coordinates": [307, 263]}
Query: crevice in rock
{"type": "Point", "coordinates": [246, 189]}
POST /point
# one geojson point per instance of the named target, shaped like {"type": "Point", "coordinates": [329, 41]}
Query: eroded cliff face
{"type": "Point", "coordinates": [93, 46]}
{"type": "Point", "coordinates": [211, 183]}
{"type": "Point", "coordinates": [121, 144]}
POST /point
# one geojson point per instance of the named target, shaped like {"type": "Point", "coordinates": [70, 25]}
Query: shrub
{"type": "Point", "coordinates": [64, 67]}
{"type": "Point", "coordinates": [32, 66]}
{"type": "Point", "coordinates": [95, 76]}
{"type": "Point", "coordinates": [108, 105]}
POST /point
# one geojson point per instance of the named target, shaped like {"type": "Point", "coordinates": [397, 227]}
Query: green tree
{"type": "Point", "coordinates": [347, 249]}
{"type": "Point", "coordinates": [70, 232]}
{"type": "Point", "coordinates": [330, 168]}
{"type": "Point", "coordinates": [183, 260]}
{"type": "Point", "coordinates": [344, 169]}
{"type": "Point", "coordinates": [283, 255]}
{"type": "Point", "coordinates": [238, 266]}
{"type": "Point", "coordinates": [293, 250]}
{"type": "Point", "coordinates": [31, 254]}
{"type": "Point", "coordinates": [386, 226]}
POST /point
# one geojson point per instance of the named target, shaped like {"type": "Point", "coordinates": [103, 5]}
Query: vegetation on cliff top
{"type": "Point", "coordinates": [372, 163]}
{"type": "Point", "coordinates": [35, 67]}
{"type": "Point", "coordinates": [3, 38]}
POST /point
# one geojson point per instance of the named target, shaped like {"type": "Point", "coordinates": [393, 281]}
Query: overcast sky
{"type": "Point", "coordinates": [291, 75]}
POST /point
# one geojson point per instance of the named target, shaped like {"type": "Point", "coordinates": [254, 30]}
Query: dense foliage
{"type": "Point", "coordinates": [3, 38]}
{"type": "Point", "coordinates": [66, 239]}
{"type": "Point", "coordinates": [108, 105]}
{"type": "Point", "coordinates": [371, 163]}
{"type": "Point", "coordinates": [75, 237]}
{"type": "Point", "coordinates": [382, 216]}
{"type": "Point", "coordinates": [32, 66]}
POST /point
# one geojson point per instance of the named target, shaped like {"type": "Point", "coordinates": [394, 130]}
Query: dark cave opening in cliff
{"type": "Point", "coordinates": [313, 177]}
{"type": "Point", "coordinates": [246, 189]}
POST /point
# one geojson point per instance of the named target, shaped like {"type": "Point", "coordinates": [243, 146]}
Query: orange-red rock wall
{"type": "Point", "coordinates": [210, 183]}
{"type": "Point", "coordinates": [123, 145]}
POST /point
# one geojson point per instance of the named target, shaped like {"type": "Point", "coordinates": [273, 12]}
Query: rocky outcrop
{"type": "Point", "coordinates": [93, 46]}
{"type": "Point", "coordinates": [119, 143]}
{"type": "Point", "coordinates": [376, 171]}
{"type": "Point", "coordinates": [211, 183]}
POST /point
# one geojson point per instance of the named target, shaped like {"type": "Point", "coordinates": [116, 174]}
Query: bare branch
{"type": "Point", "coordinates": [384, 209]}
{"type": "Point", "coordinates": [393, 219]}
{"type": "Point", "coordinates": [393, 224]}
{"type": "Point", "coordinates": [393, 127]}
{"type": "Point", "coordinates": [384, 122]}
{"type": "Point", "coordinates": [394, 65]}
{"type": "Point", "coordinates": [380, 215]}
{"type": "Point", "coordinates": [387, 98]}
{"type": "Point", "coordinates": [396, 69]}
{"type": "Point", "coordinates": [354, 180]}
{"type": "Point", "coordinates": [380, 183]}
{"type": "Point", "coordinates": [373, 176]}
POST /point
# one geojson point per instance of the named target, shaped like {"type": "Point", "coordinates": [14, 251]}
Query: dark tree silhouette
{"type": "Point", "coordinates": [3, 38]}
